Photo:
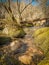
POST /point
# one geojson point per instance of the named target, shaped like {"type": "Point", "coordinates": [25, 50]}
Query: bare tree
{"type": "Point", "coordinates": [28, 2]}
{"type": "Point", "coordinates": [43, 5]}
{"type": "Point", "coordinates": [21, 11]}
{"type": "Point", "coordinates": [9, 10]}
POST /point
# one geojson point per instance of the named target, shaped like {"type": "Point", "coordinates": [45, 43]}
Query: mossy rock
{"type": "Point", "coordinates": [16, 33]}
{"type": "Point", "coordinates": [21, 34]}
{"type": "Point", "coordinates": [9, 33]}
{"type": "Point", "coordinates": [41, 38]}
{"type": "Point", "coordinates": [45, 61]}
{"type": "Point", "coordinates": [40, 31]}
{"type": "Point", "coordinates": [12, 31]}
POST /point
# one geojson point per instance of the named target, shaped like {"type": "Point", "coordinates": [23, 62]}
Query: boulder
{"type": "Point", "coordinates": [41, 39]}
{"type": "Point", "coordinates": [25, 59]}
{"type": "Point", "coordinates": [13, 31]}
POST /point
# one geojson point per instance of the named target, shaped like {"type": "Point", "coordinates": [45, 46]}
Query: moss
{"type": "Point", "coordinates": [21, 34]}
{"type": "Point", "coordinates": [9, 33]}
{"type": "Point", "coordinates": [17, 33]}
{"type": "Point", "coordinates": [45, 61]}
{"type": "Point", "coordinates": [42, 38]}
{"type": "Point", "coordinates": [28, 25]}
{"type": "Point", "coordinates": [41, 30]}
{"type": "Point", "coordinates": [12, 31]}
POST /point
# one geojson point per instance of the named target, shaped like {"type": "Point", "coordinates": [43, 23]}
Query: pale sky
{"type": "Point", "coordinates": [33, 3]}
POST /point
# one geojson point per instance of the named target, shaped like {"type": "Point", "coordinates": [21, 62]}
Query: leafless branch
{"type": "Point", "coordinates": [26, 6]}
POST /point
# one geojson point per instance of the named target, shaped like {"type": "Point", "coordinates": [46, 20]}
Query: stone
{"type": "Point", "coordinates": [18, 47]}
{"type": "Point", "coordinates": [25, 59]}
{"type": "Point", "coordinates": [13, 31]}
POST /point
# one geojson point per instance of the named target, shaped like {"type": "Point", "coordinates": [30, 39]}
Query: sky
{"type": "Point", "coordinates": [35, 3]}
{"type": "Point", "coordinates": [47, 3]}
{"type": "Point", "coordinates": [2, 0]}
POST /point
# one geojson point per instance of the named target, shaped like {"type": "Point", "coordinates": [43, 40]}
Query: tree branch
{"type": "Point", "coordinates": [26, 6]}
{"type": "Point", "coordinates": [40, 19]}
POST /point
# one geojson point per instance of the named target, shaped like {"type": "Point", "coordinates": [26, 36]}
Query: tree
{"type": "Point", "coordinates": [19, 5]}
{"type": "Point", "coordinates": [9, 10]}
{"type": "Point", "coordinates": [7, 6]}
{"type": "Point", "coordinates": [43, 6]}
